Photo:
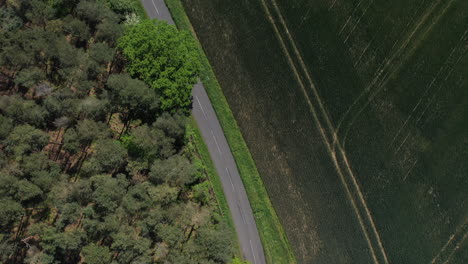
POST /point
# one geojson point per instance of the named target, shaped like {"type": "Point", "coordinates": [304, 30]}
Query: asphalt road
{"type": "Point", "coordinates": [157, 9]}
{"type": "Point", "coordinates": [221, 155]}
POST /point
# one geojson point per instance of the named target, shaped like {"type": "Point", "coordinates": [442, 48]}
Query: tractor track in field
{"type": "Point", "coordinates": [337, 155]}
{"type": "Point", "coordinates": [453, 243]}
{"type": "Point", "coordinates": [390, 67]}
{"type": "Point", "coordinates": [447, 68]}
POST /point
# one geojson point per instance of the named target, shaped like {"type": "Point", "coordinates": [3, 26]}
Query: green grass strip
{"type": "Point", "coordinates": [139, 9]}
{"type": "Point", "coordinates": [275, 243]}
{"type": "Point", "coordinates": [216, 185]}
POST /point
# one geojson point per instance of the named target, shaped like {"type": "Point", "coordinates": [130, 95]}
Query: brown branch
{"type": "Point", "coordinates": [26, 240]}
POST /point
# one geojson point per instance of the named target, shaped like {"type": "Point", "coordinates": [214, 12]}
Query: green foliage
{"type": "Point", "coordinates": [81, 192]}
{"type": "Point", "coordinates": [110, 154]}
{"type": "Point", "coordinates": [134, 249]}
{"type": "Point", "coordinates": [78, 137]}
{"type": "Point", "coordinates": [150, 143]}
{"type": "Point", "coordinates": [173, 126]}
{"type": "Point", "coordinates": [28, 191]}
{"type": "Point", "coordinates": [63, 7]}
{"type": "Point", "coordinates": [58, 243]}
{"type": "Point", "coordinates": [137, 200]}
{"type": "Point", "coordinates": [175, 170]}
{"type": "Point", "coordinates": [9, 20]}
{"type": "Point", "coordinates": [35, 163]}
{"type": "Point", "coordinates": [10, 212]}
{"type": "Point", "coordinates": [71, 142]}
{"type": "Point", "coordinates": [132, 97]}
{"type": "Point", "coordinates": [97, 227]}
{"type": "Point", "coordinates": [29, 77]}
{"type": "Point", "coordinates": [7, 248]}
{"type": "Point", "coordinates": [91, 107]}
{"type": "Point", "coordinates": [95, 254]}
{"type": "Point", "coordinates": [22, 111]}
{"type": "Point", "coordinates": [122, 7]}
{"type": "Point", "coordinates": [207, 167]}
{"type": "Point", "coordinates": [148, 224]}
{"type": "Point", "coordinates": [76, 28]}
{"type": "Point", "coordinates": [94, 12]}
{"type": "Point", "coordinates": [90, 130]}
{"type": "Point", "coordinates": [215, 243]}
{"type": "Point", "coordinates": [69, 213]}
{"type": "Point", "coordinates": [108, 194]}
{"type": "Point", "coordinates": [239, 261]}
{"type": "Point", "coordinates": [8, 185]}
{"type": "Point", "coordinates": [164, 194]}
{"type": "Point", "coordinates": [164, 58]}
{"type": "Point", "coordinates": [101, 53]}
{"type": "Point", "coordinates": [39, 12]}
{"type": "Point", "coordinates": [59, 106]}
{"type": "Point", "coordinates": [6, 125]}
{"type": "Point", "coordinates": [108, 32]}
{"type": "Point", "coordinates": [25, 139]}
{"type": "Point", "coordinates": [201, 192]}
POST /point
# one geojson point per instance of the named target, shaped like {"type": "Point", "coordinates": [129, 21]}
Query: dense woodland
{"type": "Point", "coordinates": [95, 163]}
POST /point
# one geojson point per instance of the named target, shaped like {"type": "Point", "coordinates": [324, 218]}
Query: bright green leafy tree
{"type": "Point", "coordinates": [164, 58]}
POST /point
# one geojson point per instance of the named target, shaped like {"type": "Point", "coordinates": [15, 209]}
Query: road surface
{"type": "Point", "coordinates": [221, 155]}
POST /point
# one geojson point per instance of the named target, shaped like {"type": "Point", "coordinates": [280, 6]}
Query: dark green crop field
{"type": "Point", "coordinates": [356, 114]}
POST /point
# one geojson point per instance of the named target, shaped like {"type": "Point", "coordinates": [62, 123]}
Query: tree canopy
{"type": "Point", "coordinates": [95, 163]}
{"type": "Point", "coordinates": [164, 58]}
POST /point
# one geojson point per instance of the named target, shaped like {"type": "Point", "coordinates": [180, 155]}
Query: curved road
{"type": "Point", "coordinates": [221, 155]}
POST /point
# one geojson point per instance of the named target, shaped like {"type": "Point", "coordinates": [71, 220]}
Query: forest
{"type": "Point", "coordinates": [96, 165]}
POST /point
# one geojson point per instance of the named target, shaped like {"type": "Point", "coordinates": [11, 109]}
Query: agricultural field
{"type": "Point", "coordinates": [356, 114]}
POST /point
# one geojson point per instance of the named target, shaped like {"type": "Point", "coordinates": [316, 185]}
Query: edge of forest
{"type": "Point", "coordinates": [206, 163]}
{"type": "Point", "coordinates": [275, 243]}
{"type": "Point", "coordinates": [208, 169]}
{"type": "Point", "coordinates": [139, 9]}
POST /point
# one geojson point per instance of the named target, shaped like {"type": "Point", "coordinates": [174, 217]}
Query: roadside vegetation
{"type": "Point", "coordinates": [209, 170]}
{"type": "Point", "coordinates": [274, 240]}
{"type": "Point", "coordinates": [96, 163]}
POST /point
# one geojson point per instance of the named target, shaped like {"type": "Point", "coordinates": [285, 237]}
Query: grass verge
{"type": "Point", "coordinates": [276, 246]}
{"type": "Point", "coordinates": [215, 182]}
{"type": "Point", "coordinates": [139, 9]}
